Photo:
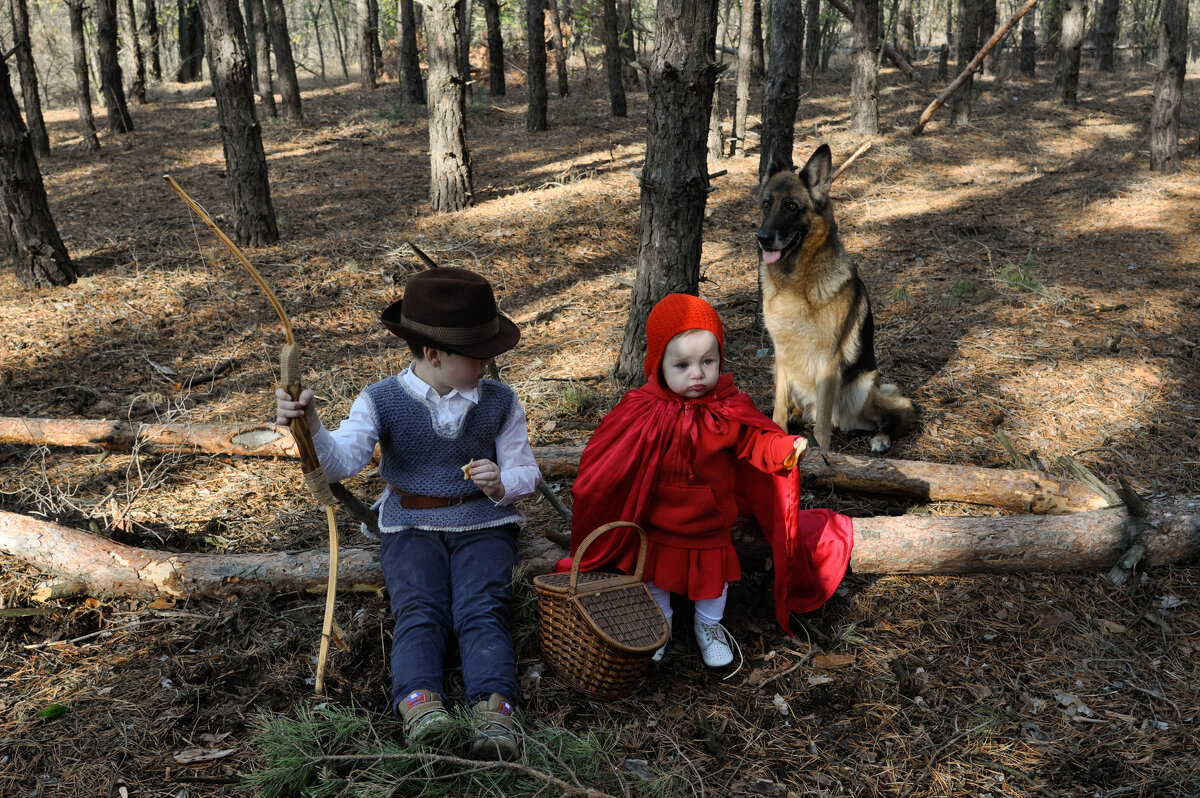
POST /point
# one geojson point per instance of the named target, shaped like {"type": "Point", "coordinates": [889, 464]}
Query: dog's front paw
{"type": "Point", "coordinates": [881, 443]}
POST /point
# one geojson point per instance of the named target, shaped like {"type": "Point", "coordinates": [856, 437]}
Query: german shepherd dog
{"type": "Point", "coordinates": [817, 311]}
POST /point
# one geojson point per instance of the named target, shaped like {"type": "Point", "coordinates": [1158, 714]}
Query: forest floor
{"type": "Point", "coordinates": [1029, 274]}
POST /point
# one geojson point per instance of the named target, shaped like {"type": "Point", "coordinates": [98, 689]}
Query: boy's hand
{"type": "Point", "coordinates": [800, 445]}
{"type": "Point", "coordinates": [286, 409]}
{"type": "Point", "coordinates": [486, 475]}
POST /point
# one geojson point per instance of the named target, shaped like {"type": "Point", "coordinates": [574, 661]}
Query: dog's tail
{"type": "Point", "coordinates": [900, 414]}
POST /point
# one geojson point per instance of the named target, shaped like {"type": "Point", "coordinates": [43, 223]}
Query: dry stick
{"type": "Point", "coordinates": [555, 502]}
{"type": "Point", "coordinates": [314, 476]}
{"type": "Point", "coordinates": [888, 50]}
{"type": "Point", "coordinates": [971, 67]}
{"type": "Point", "coordinates": [850, 160]}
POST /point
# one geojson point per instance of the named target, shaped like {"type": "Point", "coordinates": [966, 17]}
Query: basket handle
{"type": "Point", "coordinates": [641, 559]}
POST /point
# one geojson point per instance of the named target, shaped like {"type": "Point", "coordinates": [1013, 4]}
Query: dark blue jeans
{"type": "Point", "coordinates": [444, 583]}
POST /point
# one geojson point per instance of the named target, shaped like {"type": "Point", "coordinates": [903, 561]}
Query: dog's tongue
{"type": "Point", "coordinates": [770, 255]}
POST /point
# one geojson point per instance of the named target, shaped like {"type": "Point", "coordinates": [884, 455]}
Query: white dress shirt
{"type": "Point", "coordinates": [348, 449]}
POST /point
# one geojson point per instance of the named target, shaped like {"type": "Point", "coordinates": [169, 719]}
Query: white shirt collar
{"type": "Point", "coordinates": [422, 388]}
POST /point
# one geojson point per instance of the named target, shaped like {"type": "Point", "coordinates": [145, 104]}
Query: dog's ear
{"type": "Point", "coordinates": [818, 175]}
{"type": "Point", "coordinates": [772, 164]}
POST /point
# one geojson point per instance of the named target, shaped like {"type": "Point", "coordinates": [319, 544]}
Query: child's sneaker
{"type": "Point", "coordinates": [423, 715]}
{"type": "Point", "coordinates": [714, 644]}
{"type": "Point", "coordinates": [494, 729]}
{"type": "Point", "coordinates": [658, 655]}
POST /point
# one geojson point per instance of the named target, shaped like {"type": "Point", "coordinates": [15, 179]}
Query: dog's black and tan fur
{"type": "Point", "coordinates": [818, 314]}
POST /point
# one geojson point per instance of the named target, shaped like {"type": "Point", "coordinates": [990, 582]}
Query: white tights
{"type": "Point", "coordinates": [708, 611]}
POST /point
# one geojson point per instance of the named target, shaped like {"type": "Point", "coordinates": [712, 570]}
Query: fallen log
{"type": "Point", "coordinates": [81, 563]}
{"type": "Point", "coordinates": [1025, 491]}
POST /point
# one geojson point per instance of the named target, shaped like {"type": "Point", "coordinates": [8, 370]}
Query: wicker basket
{"type": "Point", "coordinates": [599, 630]}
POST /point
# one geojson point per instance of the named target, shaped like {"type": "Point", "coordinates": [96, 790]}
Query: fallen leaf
{"type": "Point", "coordinates": [1110, 627]}
{"type": "Point", "coordinates": [191, 756]}
{"type": "Point", "coordinates": [831, 661]}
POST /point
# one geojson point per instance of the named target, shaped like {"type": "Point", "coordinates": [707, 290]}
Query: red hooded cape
{"type": "Point", "coordinates": [619, 468]}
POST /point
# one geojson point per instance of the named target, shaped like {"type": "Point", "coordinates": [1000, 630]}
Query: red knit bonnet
{"type": "Point", "coordinates": [674, 314]}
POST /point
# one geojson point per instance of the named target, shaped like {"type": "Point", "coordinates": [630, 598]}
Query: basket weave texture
{"type": "Point", "coordinates": [599, 630]}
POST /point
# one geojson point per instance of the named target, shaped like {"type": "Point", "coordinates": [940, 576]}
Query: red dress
{"type": "Point", "coordinates": [683, 470]}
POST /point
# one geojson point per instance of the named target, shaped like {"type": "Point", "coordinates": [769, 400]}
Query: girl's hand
{"type": "Point", "coordinates": [286, 409]}
{"type": "Point", "coordinates": [800, 446]}
{"type": "Point", "coordinates": [486, 475]}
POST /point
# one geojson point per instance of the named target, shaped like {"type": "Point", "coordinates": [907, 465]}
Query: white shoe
{"type": "Point", "coordinates": [714, 642]}
{"type": "Point", "coordinates": [658, 655]}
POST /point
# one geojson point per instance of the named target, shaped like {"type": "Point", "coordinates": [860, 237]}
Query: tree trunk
{"type": "Point", "coordinates": [119, 120]}
{"type": "Point", "coordinates": [560, 47]}
{"type": "Point", "coordinates": [285, 66]}
{"type": "Point", "coordinates": [1028, 47]}
{"type": "Point", "coordinates": [906, 31]}
{"type": "Point", "coordinates": [679, 86]}
{"type": "Point", "coordinates": [29, 81]}
{"type": "Point", "coordinates": [1168, 87]}
{"type": "Point", "coordinates": [535, 26]}
{"type": "Point", "coordinates": [338, 38]}
{"type": "Point", "coordinates": [373, 9]}
{"type": "Point", "coordinates": [781, 92]}
{"type": "Point", "coordinates": [314, 16]}
{"type": "Point", "coordinates": [716, 141]}
{"type": "Point", "coordinates": [758, 69]}
{"type": "Point", "coordinates": [612, 60]}
{"type": "Point", "coordinates": [625, 36]}
{"type": "Point", "coordinates": [262, 48]}
{"type": "Point", "coordinates": [155, 39]}
{"type": "Point", "coordinates": [812, 44]}
{"type": "Point", "coordinates": [1107, 39]}
{"type": "Point", "coordinates": [38, 256]}
{"type": "Point", "coordinates": [987, 26]}
{"type": "Point", "coordinates": [191, 41]}
{"type": "Point", "coordinates": [466, 9]}
{"type": "Point", "coordinates": [366, 47]}
{"type": "Point", "coordinates": [81, 563]}
{"type": "Point", "coordinates": [410, 64]}
{"type": "Point", "coordinates": [83, 89]}
{"type": "Point", "coordinates": [744, 70]}
{"type": "Point", "coordinates": [1052, 19]}
{"type": "Point", "coordinates": [495, 42]}
{"type": "Point", "coordinates": [968, 41]}
{"type": "Point", "coordinates": [864, 102]}
{"type": "Point", "coordinates": [449, 160]}
{"type": "Point", "coordinates": [1070, 50]}
{"type": "Point", "coordinates": [245, 161]}
{"type": "Point", "coordinates": [134, 42]}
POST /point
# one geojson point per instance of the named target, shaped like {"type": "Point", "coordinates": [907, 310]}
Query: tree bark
{"type": "Point", "coordinates": [812, 44]}
{"type": "Point", "coordinates": [906, 31]}
{"type": "Point", "coordinates": [535, 26]}
{"type": "Point", "coordinates": [338, 40]}
{"type": "Point", "coordinates": [888, 50]}
{"type": "Point", "coordinates": [716, 141]}
{"type": "Point", "coordinates": [190, 39]}
{"type": "Point", "coordinates": [495, 41]}
{"type": "Point", "coordinates": [625, 39]}
{"type": "Point", "coordinates": [560, 47]}
{"type": "Point", "coordinates": [758, 66]}
{"type": "Point", "coordinates": [1168, 87]}
{"type": "Point", "coordinates": [262, 63]}
{"type": "Point", "coordinates": [744, 69]}
{"type": "Point", "coordinates": [1052, 20]}
{"type": "Point", "coordinates": [373, 10]}
{"type": "Point", "coordinates": [366, 46]}
{"type": "Point", "coordinates": [85, 564]}
{"type": "Point", "coordinates": [987, 26]}
{"type": "Point", "coordinates": [1028, 47]}
{"type": "Point", "coordinates": [1070, 50]}
{"type": "Point", "coordinates": [968, 42]}
{"type": "Point", "coordinates": [285, 65]}
{"type": "Point", "coordinates": [119, 120]}
{"type": "Point", "coordinates": [26, 226]}
{"type": "Point", "coordinates": [34, 122]}
{"type": "Point", "coordinates": [679, 86]}
{"type": "Point", "coordinates": [155, 39]}
{"type": "Point", "coordinates": [971, 67]}
{"type": "Point", "coordinates": [781, 91]}
{"type": "Point", "coordinates": [1107, 38]}
{"type": "Point", "coordinates": [612, 60]}
{"type": "Point", "coordinates": [449, 160]}
{"type": "Point", "coordinates": [83, 89]}
{"type": "Point", "coordinates": [241, 135]}
{"type": "Point", "coordinates": [466, 9]}
{"type": "Point", "coordinates": [864, 101]}
{"type": "Point", "coordinates": [133, 40]}
{"type": "Point", "coordinates": [410, 64]}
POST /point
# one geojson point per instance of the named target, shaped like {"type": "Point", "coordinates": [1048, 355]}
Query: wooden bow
{"type": "Point", "coordinates": [314, 476]}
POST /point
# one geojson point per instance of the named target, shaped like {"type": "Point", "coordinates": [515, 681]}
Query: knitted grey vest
{"type": "Point", "coordinates": [420, 457]}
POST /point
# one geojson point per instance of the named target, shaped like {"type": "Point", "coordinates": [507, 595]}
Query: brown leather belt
{"type": "Point", "coordinates": [415, 501]}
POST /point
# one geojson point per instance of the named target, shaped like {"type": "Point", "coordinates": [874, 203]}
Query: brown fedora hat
{"type": "Point", "coordinates": [453, 309]}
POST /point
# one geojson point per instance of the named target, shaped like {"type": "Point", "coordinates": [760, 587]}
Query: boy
{"type": "Point", "coordinates": [456, 456]}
